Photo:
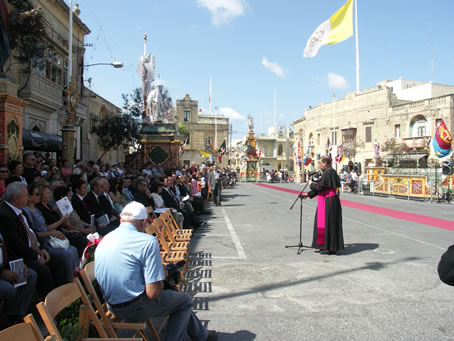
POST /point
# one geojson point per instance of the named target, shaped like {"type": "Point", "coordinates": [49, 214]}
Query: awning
{"type": "Point", "coordinates": [41, 141]}
{"type": "Point", "coordinates": [416, 157]}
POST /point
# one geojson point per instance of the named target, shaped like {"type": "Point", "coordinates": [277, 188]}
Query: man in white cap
{"type": "Point", "coordinates": [130, 274]}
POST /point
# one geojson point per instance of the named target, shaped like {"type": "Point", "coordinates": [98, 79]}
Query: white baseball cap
{"type": "Point", "coordinates": [134, 210]}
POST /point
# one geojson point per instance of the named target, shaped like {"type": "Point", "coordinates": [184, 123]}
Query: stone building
{"type": "Point", "coordinates": [44, 114]}
{"type": "Point", "coordinates": [98, 108]}
{"type": "Point", "coordinates": [275, 151]}
{"type": "Point", "coordinates": [202, 130]}
{"type": "Point", "coordinates": [408, 111]}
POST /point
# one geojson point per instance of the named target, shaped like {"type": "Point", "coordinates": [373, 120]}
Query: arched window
{"type": "Point", "coordinates": [280, 149]}
{"type": "Point", "coordinates": [419, 127]}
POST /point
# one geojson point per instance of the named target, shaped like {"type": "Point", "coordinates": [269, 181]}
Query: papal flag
{"type": "Point", "coordinates": [441, 143]}
{"type": "Point", "coordinates": [334, 30]}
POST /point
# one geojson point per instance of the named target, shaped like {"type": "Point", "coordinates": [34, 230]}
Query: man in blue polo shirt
{"type": "Point", "coordinates": [130, 274]}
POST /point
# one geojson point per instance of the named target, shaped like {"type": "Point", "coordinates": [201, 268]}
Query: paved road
{"type": "Point", "coordinates": [384, 286]}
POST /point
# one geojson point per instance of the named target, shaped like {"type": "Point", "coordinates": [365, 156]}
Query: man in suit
{"type": "Point", "coordinates": [172, 201]}
{"type": "Point", "coordinates": [213, 183]}
{"type": "Point", "coordinates": [16, 170]}
{"type": "Point", "coordinates": [30, 172]}
{"type": "Point", "coordinates": [143, 194]}
{"type": "Point", "coordinates": [79, 187]}
{"type": "Point", "coordinates": [21, 241]}
{"type": "Point", "coordinates": [106, 202]}
{"type": "Point", "coordinates": [126, 182]}
{"type": "Point", "coordinates": [93, 201]}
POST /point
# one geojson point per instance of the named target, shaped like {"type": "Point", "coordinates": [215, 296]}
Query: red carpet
{"type": "Point", "coordinates": [417, 218]}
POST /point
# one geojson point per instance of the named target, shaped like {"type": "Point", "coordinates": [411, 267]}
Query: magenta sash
{"type": "Point", "coordinates": [321, 214]}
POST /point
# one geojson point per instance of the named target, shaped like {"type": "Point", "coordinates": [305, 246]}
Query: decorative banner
{"type": "Point", "coordinates": [442, 141]}
{"type": "Point", "coordinates": [307, 160]}
{"type": "Point", "coordinates": [299, 156]}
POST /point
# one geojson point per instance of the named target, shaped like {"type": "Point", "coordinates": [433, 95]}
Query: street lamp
{"type": "Point", "coordinates": [117, 65]}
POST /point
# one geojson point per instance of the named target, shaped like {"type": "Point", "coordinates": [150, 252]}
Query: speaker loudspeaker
{"type": "Point", "coordinates": [447, 167]}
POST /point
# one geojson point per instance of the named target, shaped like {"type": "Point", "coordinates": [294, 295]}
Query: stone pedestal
{"type": "Point", "coordinates": [11, 122]}
{"type": "Point", "coordinates": [160, 145]}
{"type": "Point", "coordinates": [67, 153]}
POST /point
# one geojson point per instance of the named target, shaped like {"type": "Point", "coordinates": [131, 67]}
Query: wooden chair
{"type": "Point", "coordinates": [167, 234]}
{"type": "Point", "coordinates": [179, 234]}
{"type": "Point", "coordinates": [62, 297]}
{"type": "Point", "coordinates": [109, 321]}
{"type": "Point", "coordinates": [26, 331]}
{"type": "Point", "coordinates": [151, 213]}
{"type": "Point", "coordinates": [167, 255]}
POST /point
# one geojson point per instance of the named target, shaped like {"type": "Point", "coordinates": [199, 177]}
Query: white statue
{"type": "Point", "coordinates": [250, 123]}
{"type": "Point", "coordinates": [159, 106]}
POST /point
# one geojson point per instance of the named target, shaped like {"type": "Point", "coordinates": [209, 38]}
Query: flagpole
{"type": "Point", "coordinates": [275, 133]}
{"type": "Point", "coordinates": [357, 47]}
{"type": "Point", "coordinates": [209, 99]}
{"type": "Point", "coordinates": [334, 136]}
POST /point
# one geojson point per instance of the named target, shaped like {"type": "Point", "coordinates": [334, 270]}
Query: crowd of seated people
{"type": "Point", "coordinates": [51, 244]}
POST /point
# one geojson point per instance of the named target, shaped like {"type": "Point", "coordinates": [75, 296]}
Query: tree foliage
{"type": "Point", "coordinates": [133, 103]}
{"type": "Point", "coordinates": [28, 40]}
{"type": "Point", "coordinates": [114, 131]}
{"type": "Point", "coordinates": [183, 129]}
{"type": "Point", "coordinates": [394, 147]}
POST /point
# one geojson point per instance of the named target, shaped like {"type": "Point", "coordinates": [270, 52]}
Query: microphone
{"type": "Point", "coordinates": [313, 173]}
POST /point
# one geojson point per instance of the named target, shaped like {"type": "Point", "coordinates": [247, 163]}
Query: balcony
{"type": "Point", "coordinates": [417, 142]}
{"type": "Point", "coordinates": [43, 91]}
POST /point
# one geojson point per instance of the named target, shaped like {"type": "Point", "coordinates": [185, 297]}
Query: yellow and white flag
{"type": "Point", "coordinates": [334, 30]}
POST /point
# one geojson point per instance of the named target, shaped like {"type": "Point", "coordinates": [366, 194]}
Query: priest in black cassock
{"type": "Point", "coordinates": [328, 236]}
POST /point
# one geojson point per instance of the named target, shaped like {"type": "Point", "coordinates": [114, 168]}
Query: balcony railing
{"type": "Point", "coordinates": [417, 142]}
{"type": "Point", "coordinates": [44, 91]}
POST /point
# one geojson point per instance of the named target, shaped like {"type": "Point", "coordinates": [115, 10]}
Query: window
{"type": "Point", "coordinates": [397, 131]}
{"type": "Point", "coordinates": [209, 141]}
{"type": "Point", "coordinates": [188, 139]}
{"type": "Point", "coordinates": [186, 162]}
{"type": "Point", "coordinates": [419, 127]}
{"type": "Point", "coordinates": [334, 137]}
{"type": "Point", "coordinates": [280, 149]}
{"type": "Point", "coordinates": [187, 116]}
{"type": "Point", "coordinates": [368, 134]}
{"type": "Point", "coordinates": [421, 131]}
{"type": "Point", "coordinates": [51, 68]}
{"type": "Point", "coordinates": [264, 153]}
{"type": "Point", "coordinates": [438, 122]}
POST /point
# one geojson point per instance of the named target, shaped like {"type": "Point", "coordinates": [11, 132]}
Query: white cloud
{"type": "Point", "coordinates": [232, 114]}
{"type": "Point", "coordinates": [274, 67]}
{"type": "Point", "coordinates": [223, 10]}
{"type": "Point", "coordinates": [336, 81]}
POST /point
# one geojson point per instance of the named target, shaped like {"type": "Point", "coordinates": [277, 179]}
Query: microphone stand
{"type": "Point", "coordinates": [300, 244]}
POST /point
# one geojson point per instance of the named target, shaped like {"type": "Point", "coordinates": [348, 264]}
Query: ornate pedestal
{"type": "Point", "coordinates": [11, 118]}
{"type": "Point", "coordinates": [160, 145]}
{"type": "Point", "coordinates": [250, 170]}
{"type": "Point", "coordinates": [68, 134]}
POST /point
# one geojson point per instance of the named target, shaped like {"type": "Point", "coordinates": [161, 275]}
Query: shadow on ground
{"type": "Point", "coordinates": [358, 247]}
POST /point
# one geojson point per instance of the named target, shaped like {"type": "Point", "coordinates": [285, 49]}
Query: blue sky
{"type": "Point", "coordinates": [251, 47]}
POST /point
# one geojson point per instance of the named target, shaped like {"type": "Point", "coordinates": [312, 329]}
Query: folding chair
{"type": "Point", "coordinates": [109, 321]}
{"type": "Point", "coordinates": [167, 255]}
{"type": "Point", "coordinates": [179, 234]}
{"type": "Point", "coordinates": [60, 298]}
{"type": "Point", "coordinates": [171, 242]}
{"type": "Point", "coordinates": [26, 331]}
